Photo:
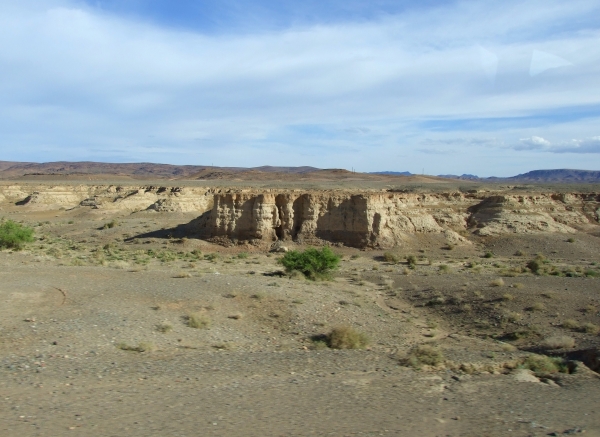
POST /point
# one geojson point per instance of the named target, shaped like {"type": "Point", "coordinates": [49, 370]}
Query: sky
{"type": "Point", "coordinates": [493, 88]}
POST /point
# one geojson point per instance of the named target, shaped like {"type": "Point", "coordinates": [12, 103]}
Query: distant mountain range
{"type": "Point", "coordinates": [558, 175]}
{"type": "Point", "coordinates": [12, 170]}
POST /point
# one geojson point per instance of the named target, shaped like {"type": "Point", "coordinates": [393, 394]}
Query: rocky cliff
{"type": "Point", "coordinates": [358, 219]}
{"type": "Point", "coordinates": [385, 219]}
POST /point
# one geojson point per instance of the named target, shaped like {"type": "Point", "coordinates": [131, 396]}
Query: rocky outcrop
{"type": "Point", "coordinates": [109, 198]}
{"type": "Point", "coordinates": [386, 219]}
{"type": "Point", "coordinates": [358, 218]}
{"type": "Point", "coordinates": [528, 214]}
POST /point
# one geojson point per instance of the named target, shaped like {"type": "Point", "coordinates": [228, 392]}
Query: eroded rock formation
{"type": "Point", "coordinates": [358, 219]}
{"type": "Point", "coordinates": [385, 219]}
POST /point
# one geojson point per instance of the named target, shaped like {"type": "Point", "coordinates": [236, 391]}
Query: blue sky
{"type": "Point", "coordinates": [447, 86]}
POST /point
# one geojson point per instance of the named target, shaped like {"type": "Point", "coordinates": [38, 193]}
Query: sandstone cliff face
{"type": "Point", "coordinates": [386, 219]}
{"type": "Point", "coordinates": [109, 198]}
{"type": "Point", "coordinates": [358, 219]}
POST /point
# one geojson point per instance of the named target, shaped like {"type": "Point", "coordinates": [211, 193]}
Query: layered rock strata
{"type": "Point", "coordinates": [385, 219]}
{"type": "Point", "coordinates": [358, 219]}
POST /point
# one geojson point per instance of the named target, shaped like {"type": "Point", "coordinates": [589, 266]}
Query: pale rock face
{"type": "Point", "coordinates": [52, 198]}
{"type": "Point", "coordinates": [359, 219]}
{"type": "Point", "coordinates": [387, 219]}
{"type": "Point", "coordinates": [525, 215]}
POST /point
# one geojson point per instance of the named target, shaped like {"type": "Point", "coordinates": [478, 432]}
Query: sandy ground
{"type": "Point", "coordinates": [95, 337]}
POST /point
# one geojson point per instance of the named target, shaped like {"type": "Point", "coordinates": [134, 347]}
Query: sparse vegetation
{"type": "Point", "coordinates": [570, 324]}
{"type": "Point", "coordinates": [590, 328]}
{"type": "Point", "coordinates": [111, 224]}
{"type": "Point", "coordinates": [497, 283]}
{"type": "Point", "coordinates": [141, 347]}
{"type": "Point", "coordinates": [511, 316]}
{"type": "Point", "coordinates": [14, 235]}
{"type": "Point", "coordinates": [345, 337]}
{"type": "Point", "coordinates": [424, 355]}
{"type": "Point", "coordinates": [537, 306]}
{"type": "Point", "coordinates": [558, 342]}
{"type": "Point", "coordinates": [198, 321]}
{"type": "Point", "coordinates": [164, 327]}
{"type": "Point", "coordinates": [391, 257]}
{"type": "Point", "coordinates": [312, 263]}
{"type": "Point", "coordinates": [544, 365]}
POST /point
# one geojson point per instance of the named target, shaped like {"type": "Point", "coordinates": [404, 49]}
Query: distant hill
{"type": "Point", "coordinates": [142, 170]}
{"type": "Point", "coordinates": [561, 175]}
{"type": "Point", "coordinates": [149, 171]}
{"type": "Point", "coordinates": [392, 173]}
{"type": "Point", "coordinates": [467, 177]}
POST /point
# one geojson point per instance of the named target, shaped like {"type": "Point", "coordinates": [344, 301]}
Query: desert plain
{"type": "Point", "coordinates": [160, 308]}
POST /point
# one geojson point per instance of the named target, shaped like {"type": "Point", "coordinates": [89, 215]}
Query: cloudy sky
{"type": "Point", "coordinates": [488, 88]}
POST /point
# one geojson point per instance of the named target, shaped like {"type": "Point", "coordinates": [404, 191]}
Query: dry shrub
{"type": "Point", "coordinates": [198, 321]}
{"type": "Point", "coordinates": [537, 306]}
{"type": "Point", "coordinates": [164, 328]}
{"type": "Point", "coordinates": [295, 274]}
{"type": "Point", "coordinates": [570, 324]}
{"type": "Point", "coordinates": [142, 347]}
{"type": "Point", "coordinates": [497, 282]}
{"type": "Point", "coordinates": [508, 297]}
{"type": "Point", "coordinates": [558, 342]}
{"type": "Point", "coordinates": [345, 337]}
{"type": "Point", "coordinates": [466, 308]}
{"type": "Point", "coordinates": [511, 316]}
{"type": "Point", "coordinates": [590, 328]}
{"type": "Point", "coordinates": [182, 275]}
{"type": "Point", "coordinates": [424, 355]}
{"type": "Point", "coordinates": [388, 283]}
{"type": "Point", "coordinates": [518, 285]}
{"type": "Point", "coordinates": [391, 257]}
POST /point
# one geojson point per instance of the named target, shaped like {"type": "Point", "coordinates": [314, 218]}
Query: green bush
{"type": "Point", "coordinates": [313, 263]}
{"type": "Point", "coordinates": [543, 365]}
{"type": "Point", "coordinates": [14, 235]}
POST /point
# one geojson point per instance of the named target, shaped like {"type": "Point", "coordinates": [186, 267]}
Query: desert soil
{"type": "Point", "coordinates": [95, 337]}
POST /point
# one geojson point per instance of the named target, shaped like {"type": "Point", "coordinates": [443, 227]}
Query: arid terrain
{"type": "Point", "coordinates": [159, 308]}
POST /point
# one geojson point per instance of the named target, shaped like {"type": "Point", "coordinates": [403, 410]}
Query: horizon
{"type": "Point", "coordinates": [455, 87]}
{"type": "Point", "coordinates": [391, 172]}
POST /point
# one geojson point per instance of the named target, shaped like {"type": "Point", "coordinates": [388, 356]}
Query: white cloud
{"type": "Point", "coordinates": [588, 145]}
{"type": "Point", "coordinates": [533, 143]}
{"type": "Point", "coordinates": [74, 80]}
